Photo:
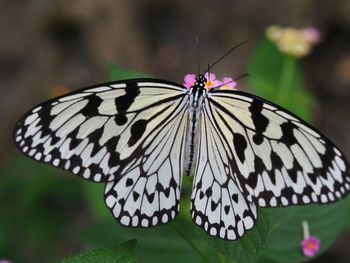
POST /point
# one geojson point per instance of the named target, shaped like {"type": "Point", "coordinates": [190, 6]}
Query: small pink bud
{"type": "Point", "coordinates": [310, 245]}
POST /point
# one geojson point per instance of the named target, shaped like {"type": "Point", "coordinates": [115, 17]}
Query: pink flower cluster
{"type": "Point", "coordinates": [212, 82]}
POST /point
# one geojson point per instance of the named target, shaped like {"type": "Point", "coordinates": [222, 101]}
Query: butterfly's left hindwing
{"type": "Point", "coordinates": [148, 192]}
{"type": "Point", "coordinates": [126, 133]}
{"type": "Point", "coordinates": [278, 158]}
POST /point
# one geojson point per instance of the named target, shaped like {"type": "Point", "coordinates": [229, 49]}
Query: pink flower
{"type": "Point", "coordinates": [228, 83]}
{"type": "Point", "coordinates": [189, 79]}
{"type": "Point", "coordinates": [312, 34]}
{"type": "Point", "coordinates": [4, 261]}
{"type": "Point", "coordinates": [310, 246]}
{"type": "Point", "coordinates": [212, 82]}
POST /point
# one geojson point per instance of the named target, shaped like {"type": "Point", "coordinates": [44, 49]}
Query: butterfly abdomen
{"type": "Point", "coordinates": [194, 111]}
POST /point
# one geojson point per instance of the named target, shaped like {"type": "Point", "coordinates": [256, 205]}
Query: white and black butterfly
{"type": "Point", "coordinates": [139, 136]}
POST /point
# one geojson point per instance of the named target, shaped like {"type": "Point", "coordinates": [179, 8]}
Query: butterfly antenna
{"type": "Point", "coordinates": [234, 80]}
{"type": "Point", "coordinates": [242, 76]}
{"type": "Point", "coordinates": [208, 72]}
{"type": "Point", "coordinates": [198, 55]}
{"type": "Point", "coordinates": [227, 53]}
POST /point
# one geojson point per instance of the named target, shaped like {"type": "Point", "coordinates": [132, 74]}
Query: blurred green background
{"type": "Point", "coordinates": [47, 215]}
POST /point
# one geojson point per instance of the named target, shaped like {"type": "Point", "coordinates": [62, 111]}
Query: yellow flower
{"type": "Point", "coordinates": [294, 42]}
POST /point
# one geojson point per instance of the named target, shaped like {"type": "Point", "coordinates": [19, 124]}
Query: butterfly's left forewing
{"type": "Point", "coordinates": [277, 158]}
{"type": "Point", "coordinates": [128, 133]}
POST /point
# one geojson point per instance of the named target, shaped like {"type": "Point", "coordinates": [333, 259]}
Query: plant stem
{"type": "Point", "coordinates": [188, 240]}
{"type": "Point", "coordinates": [286, 79]}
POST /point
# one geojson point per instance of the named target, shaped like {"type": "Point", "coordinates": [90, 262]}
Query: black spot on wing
{"type": "Point", "coordinates": [312, 177]}
{"type": "Point", "coordinates": [95, 137]}
{"type": "Point", "coordinates": [252, 180]}
{"type": "Point", "coordinates": [124, 102]}
{"type": "Point", "coordinates": [159, 187]}
{"type": "Point", "coordinates": [135, 195]}
{"type": "Point", "coordinates": [240, 144]}
{"type": "Point", "coordinates": [260, 121]}
{"type": "Point", "coordinates": [150, 197]}
{"type": "Point", "coordinates": [120, 119]}
{"type": "Point", "coordinates": [235, 198]}
{"type": "Point", "coordinates": [276, 161]}
{"type": "Point", "coordinates": [208, 192]}
{"type": "Point", "coordinates": [258, 138]}
{"type": "Point", "coordinates": [288, 137]}
{"type": "Point", "coordinates": [129, 182]}
{"type": "Point", "coordinates": [214, 205]}
{"type": "Point", "coordinates": [137, 130]}
{"type": "Point", "coordinates": [258, 165]}
{"type": "Point", "coordinates": [111, 146]}
{"type": "Point", "coordinates": [91, 108]}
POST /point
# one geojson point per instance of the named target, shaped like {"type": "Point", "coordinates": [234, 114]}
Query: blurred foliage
{"type": "Point", "coordinates": [34, 199]}
{"type": "Point", "coordinates": [122, 253]}
{"type": "Point", "coordinates": [49, 209]}
{"type": "Point", "coordinates": [118, 73]}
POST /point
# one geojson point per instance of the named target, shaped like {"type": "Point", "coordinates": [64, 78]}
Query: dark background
{"type": "Point", "coordinates": [45, 44]}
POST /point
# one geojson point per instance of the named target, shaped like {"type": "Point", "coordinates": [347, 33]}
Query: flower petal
{"type": "Point", "coordinates": [189, 80]}
{"type": "Point", "coordinates": [210, 77]}
{"type": "Point", "coordinates": [229, 83]}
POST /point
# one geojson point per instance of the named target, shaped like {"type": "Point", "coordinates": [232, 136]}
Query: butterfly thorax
{"type": "Point", "coordinates": [196, 93]}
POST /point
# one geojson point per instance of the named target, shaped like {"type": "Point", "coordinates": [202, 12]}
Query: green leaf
{"type": "Point", "coordinates": [248, 248]}
{"type": "Point", "coordinates": [159, 244]}
{"type": "Point", "coordinates": [266, 68]}
{"type": "Point", "coordinates": [118, 73]}
{"type": "Point", "coordinates": [122, 253]}
{"type": "Point", "coordinates": [283, 242]}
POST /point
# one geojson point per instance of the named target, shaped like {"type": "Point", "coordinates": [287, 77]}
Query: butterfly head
{"type": "Point", "coordinates": [200, 81]}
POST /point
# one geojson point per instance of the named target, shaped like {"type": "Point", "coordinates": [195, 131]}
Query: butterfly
{"type": "Point", "coordinates": [140, 136]}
